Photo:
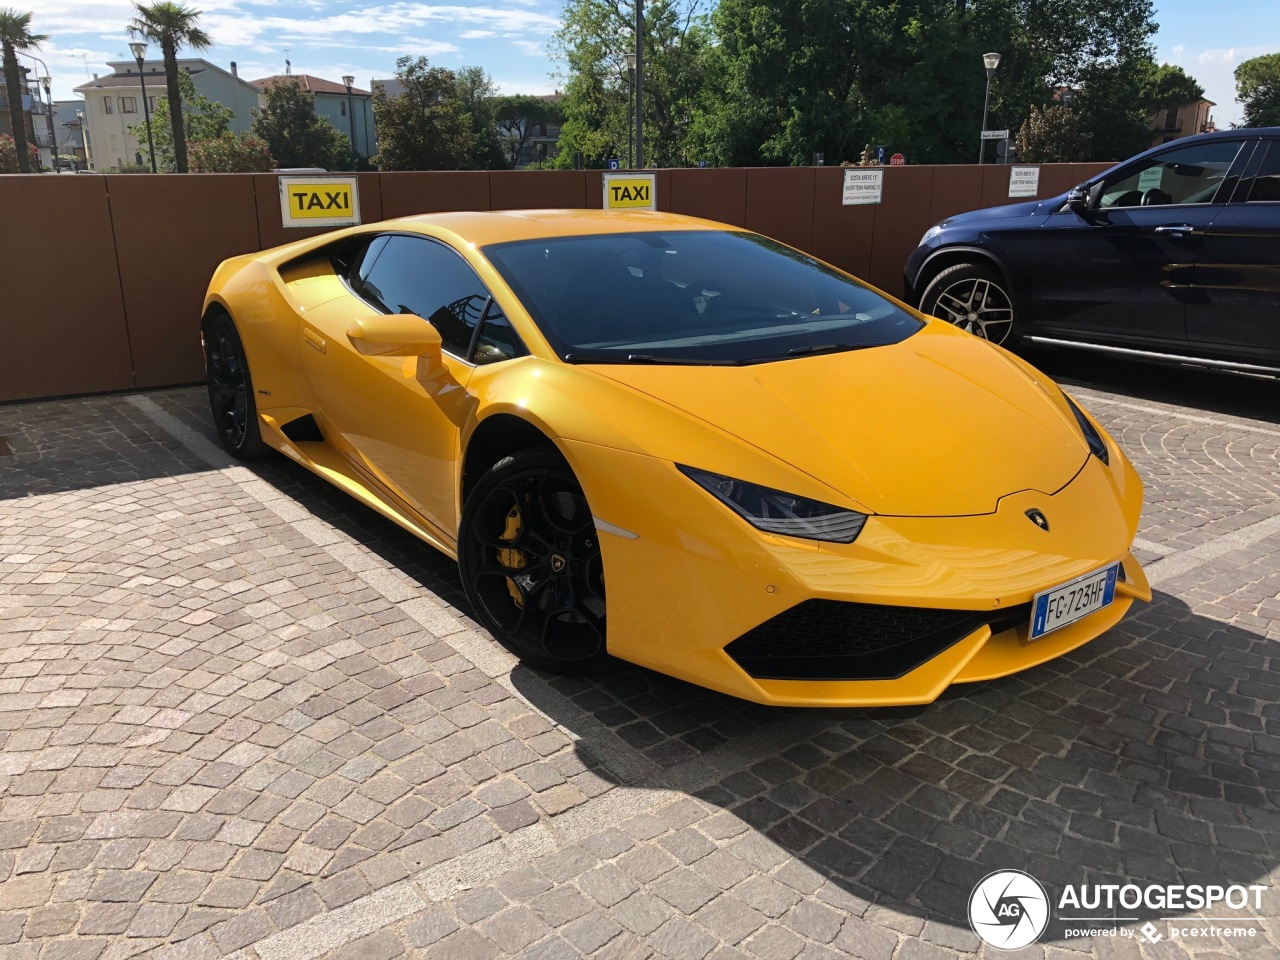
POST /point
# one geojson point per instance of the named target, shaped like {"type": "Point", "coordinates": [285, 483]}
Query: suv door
{"type": "Point", "coordinates": [1121, 271]}
{"type": "Point", "coordinates": [1237, 276]}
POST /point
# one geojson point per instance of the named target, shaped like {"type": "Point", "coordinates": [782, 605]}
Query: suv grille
{"type": "Point", "coordinates": [834, 640]}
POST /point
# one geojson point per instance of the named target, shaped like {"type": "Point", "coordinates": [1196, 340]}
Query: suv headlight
{"type": "Point", "coordinates": [1097, 446]}
{"type": "Point", "coordinates": [776, 512]}
{"type": "Point", "coordinates": [930, 234]}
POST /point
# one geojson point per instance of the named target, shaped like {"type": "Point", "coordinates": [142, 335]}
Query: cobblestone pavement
{"type": "Point", "coordinates": [242, 715]}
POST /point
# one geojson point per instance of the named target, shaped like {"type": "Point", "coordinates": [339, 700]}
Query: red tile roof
{"type": "Point", "coordinates": [310, 84]}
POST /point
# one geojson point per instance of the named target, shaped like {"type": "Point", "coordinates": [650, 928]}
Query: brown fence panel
{"type": "Point", "coordinates": [63, 312]}
{"type": "Point", "coordinates": [164, 274]}
{"type": "Point", "coordinates": [841, 235]}
{"type": "Point", "coordinates": [271, 230]}
{"type": "Point", "coordinates": [1055, 178]}
{"type": "Point", "coordinates": [1080, 172]}
{"type": "Point", "coordinates": [537, 189]}
{"type": "Point", "coordinates": [780, 204]}
{"type": "Point", "coordinates": [995, 186]}
{"type": "Point", "coordinates": [714, 194]}
{"type": "Point", "coordinates": [405, 193]}
{"type": "Point", "coordinates": [907, 199]}
{"type": "Point", "coordinates": [955, 190]}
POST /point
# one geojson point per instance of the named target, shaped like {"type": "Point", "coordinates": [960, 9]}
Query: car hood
{"type": "Point", "coordinates": [1027, 208]}
{"type": "Point", "coordinates": [941, 424]}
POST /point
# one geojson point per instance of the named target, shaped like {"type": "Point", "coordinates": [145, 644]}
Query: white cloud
{"type": "Point", "coordinates": [530, 47]}
{"type": "Point", "coordinates": [477, 34]}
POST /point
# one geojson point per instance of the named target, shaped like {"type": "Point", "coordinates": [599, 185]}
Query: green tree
{"type": "Point", "coordinates": [425, 127]}
{"type": "Point", "coordinates": [476, 93]}
{"type": "Point", "coordinates": [792, 79]}
{"type": "Point", "coordinates": [202, 119]}
{"type": "Point", "coordinates": [516, 117]}
{"type": "Point", "coordinates": [173, 27]}
{"type": "Point", "coordinates": [594, 36]}
{"type": "Point", "coordinates": [9, 155]}
{"type": "Point", "coordinates": [1258, 88]}
{"type": "Point", "coordinates": [296, 136]}
{"type": "Point", "coordinates": [1167, 86]}
{"type": "Point", "coordinates": [1112, 108]}
{"type": "Point", "coordinates": [229, 153]}
{"type": "Point", "coordinates": [1053, 135]}
{"type": "Point", "coordinates": [15, 35]}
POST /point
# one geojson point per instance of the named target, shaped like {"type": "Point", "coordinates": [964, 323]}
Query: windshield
{"type": "Point", "coordinates": [698, 296]}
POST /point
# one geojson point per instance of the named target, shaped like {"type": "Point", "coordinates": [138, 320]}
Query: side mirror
{"type": "Point", "coordinates": [1085, 198]}
{"type": "Point", "coordinates": [395, 335]}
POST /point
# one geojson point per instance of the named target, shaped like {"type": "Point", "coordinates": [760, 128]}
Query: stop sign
{"type": "Point", "coordinates": [897, 160]}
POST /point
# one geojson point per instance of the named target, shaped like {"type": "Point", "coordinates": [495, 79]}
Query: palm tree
{"type": "Point", "coordinates": [172, 26]}
{"type": "Point", "coordinates": [15, 35]}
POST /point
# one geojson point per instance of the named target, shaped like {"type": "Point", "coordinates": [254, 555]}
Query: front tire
{"type": "Point", "coordinates": [973, 297]}
{"type": "Point", "coordinates": [231, 399]}
{"type": "Point", "coordinates": [530, 560]}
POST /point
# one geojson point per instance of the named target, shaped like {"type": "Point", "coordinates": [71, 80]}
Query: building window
{"type": "Point", "coordinates": [343, 105]}
{"type": "Point", "coordinates": [107, 106]}
{"type": "Point", "coordinates": [151, 103]}
{"type": "Point", "coordinates": [128, 104]}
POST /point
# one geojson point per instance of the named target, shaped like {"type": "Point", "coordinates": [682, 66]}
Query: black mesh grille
{"type": "Point", "coordinates": [832, 640]}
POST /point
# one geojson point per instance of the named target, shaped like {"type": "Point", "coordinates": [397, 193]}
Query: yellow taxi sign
{"type": "Point", "coordinates": [319, 201]}
{"type": "Point", "coordinates": [630, 191]}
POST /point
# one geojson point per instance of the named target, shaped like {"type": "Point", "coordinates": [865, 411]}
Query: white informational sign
{"type": "Point", "coordinates": [862, 185]}
{"type": "Point", "coordinates": [995, 134]}
{"type": "Point", "coordinates": [1024, 181]}
{"type": "Point", "coordinates": [1151, 178]}
{"type": "Point", "coordinates": [630, 191]}
{"type": "Point", "coordinates": [319, 201]}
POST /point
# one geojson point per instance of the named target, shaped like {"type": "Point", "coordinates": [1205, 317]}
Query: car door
{"type": "Point", "coordinates": [1121, 270]}
{"type": "Point", "coordinates": [393, 419]}
{"type": "Point", "coordinates": [1236, 312]}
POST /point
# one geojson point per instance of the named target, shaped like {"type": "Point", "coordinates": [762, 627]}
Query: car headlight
{"type": "Point", "coordinates": [930, 234]}
{"type": "Point", "coordinates": [776, 512]}
{"type": "Point", "coordinates": [1097, 446]}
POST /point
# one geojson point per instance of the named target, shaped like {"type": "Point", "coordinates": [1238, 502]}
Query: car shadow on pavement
{"type": "Point", "coordinates": [1208, 391]}
{"type": "Point", "coordinates": [1149, 756]}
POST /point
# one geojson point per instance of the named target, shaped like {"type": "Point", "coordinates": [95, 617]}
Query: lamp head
{"type": "Point", "coordinates": [991, 60]}
{"type": "Point", "coordinates": [631, 60]}
{"type": "Point", "coordinates": [348, 81]}
{"type": "Point", "coordinates": [46, 81]}
{"type": "Point", "coordinates": [139, 49]}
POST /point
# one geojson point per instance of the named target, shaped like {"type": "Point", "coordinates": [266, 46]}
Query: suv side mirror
{"type": "Point", "coordinates": [1085, 198]}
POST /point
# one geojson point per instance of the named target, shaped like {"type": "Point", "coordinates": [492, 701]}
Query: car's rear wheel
{"type": "Point", "coordinates": [235, 414]}
{"type": "Point", "coordinates": [531, 566]}
{"type": "Point", "coordinates": [974, 297]}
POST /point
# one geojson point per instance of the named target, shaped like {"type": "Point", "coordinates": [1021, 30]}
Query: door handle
{"type": "Point", "coordinates": [315, 340]}
{"type": "Point", "coordinates": [1178, 229]}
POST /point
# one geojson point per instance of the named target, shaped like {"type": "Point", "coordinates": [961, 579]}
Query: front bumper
{"type": "Point", "coordinates": [696, 577]}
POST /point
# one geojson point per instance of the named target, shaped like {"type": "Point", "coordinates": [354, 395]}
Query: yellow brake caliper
{"type": "Point", "coordinates": [509, 557]}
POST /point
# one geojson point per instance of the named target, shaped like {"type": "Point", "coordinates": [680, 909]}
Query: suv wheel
{"type": "Point", "coordinates": [973, 297]}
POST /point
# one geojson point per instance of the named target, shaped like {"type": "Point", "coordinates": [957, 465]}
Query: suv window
{"type": "Point", "coordinates": [423, 277]}
{"type": "Point", "coordinates": [498, 340]}
{"type": "Point", "coordinates": [1185, 175]}
{"type": "Point", "coordinates": [1266, 182]}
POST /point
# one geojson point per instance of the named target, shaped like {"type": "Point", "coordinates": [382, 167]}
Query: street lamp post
{"type": "Point", "coordinates": [990, 61]}
{"type": "Point", "coordinates": [630, 58]}
{"type": "Point", "coordinates": [639, 85]}
{"type": "Point", "coordinates": [46, 81]}
{"type": "Point", "coordinates": [351, 119]}
{"type": "Point", "coordinates": [139, 51]}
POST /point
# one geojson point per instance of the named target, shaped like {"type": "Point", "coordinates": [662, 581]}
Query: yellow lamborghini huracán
{"type": "Point", "coordinates": [685, 445]}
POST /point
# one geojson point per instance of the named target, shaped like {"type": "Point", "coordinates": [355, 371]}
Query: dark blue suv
{"type": "Point", "coordinates": [1173, 255]}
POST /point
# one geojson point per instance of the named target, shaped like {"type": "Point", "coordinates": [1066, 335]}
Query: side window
{"type": "Point", "coordinates": [497, 340]}
{"type": "Point", "coordinates": [420, 276]}
{"type": "Point", "coordinates": [1266, 182]}
{"type": "Point", "coordinates": [1186, 175]}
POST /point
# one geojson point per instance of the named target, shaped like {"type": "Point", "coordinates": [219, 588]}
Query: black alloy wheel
{"type": "Point", "coordinates": [530, 561]}
{"type": "Point", "coordinates": [973, 297]}
{"type": "Point", "coordinates": [235, 414]}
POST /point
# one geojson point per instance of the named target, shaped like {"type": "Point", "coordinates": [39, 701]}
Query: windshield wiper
{"type": "Point", "coordinates": [645, 358]}
{"type": "Point", "coordinates": [821, 348]}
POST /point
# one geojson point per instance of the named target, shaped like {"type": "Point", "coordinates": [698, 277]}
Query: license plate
{"type": "Point", "coordinates": [1070, 602]}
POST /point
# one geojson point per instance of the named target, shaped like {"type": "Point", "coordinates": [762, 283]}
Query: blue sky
{"type": "Point", "coordinates": [508, 38]}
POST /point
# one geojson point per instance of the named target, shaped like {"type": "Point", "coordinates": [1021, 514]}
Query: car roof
{"type": "Point", "coordinates": [499, 226]}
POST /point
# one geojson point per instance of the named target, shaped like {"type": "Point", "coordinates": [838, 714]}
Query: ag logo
{"type": "Point", "coordinates": [1009, 909]}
